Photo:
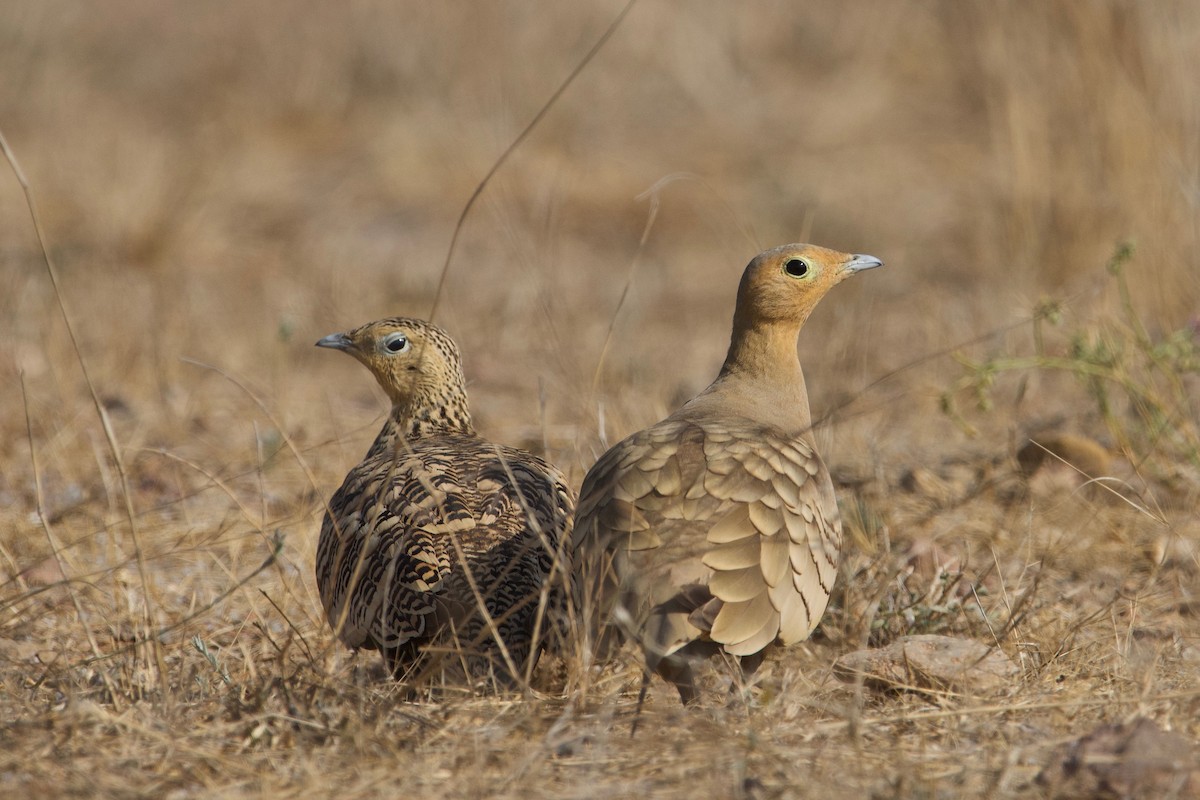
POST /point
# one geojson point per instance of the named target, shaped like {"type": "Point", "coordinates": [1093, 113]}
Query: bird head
{"type": "Point", "coordinates": [783, 285]}
{"type": "Point", "coordinates": [416, 363]}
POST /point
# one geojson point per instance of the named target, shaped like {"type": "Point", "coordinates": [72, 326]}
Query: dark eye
{"type": "Point", "coordinates": [395, 343]}
{"type": "Point", "coordinates": [796, 267]}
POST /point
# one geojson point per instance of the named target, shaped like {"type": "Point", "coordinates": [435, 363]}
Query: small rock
{"type": "Point", "coordinates": [43, 573]}
{"type": "Point", "coordinates": [18, 651]}
{"type": "Point", "coordinates": [930, 662]}
{"type": "Point", "coordinates": [1132, 759]}
{"type": "Point", "coordinates": [1086, 455]}
{"type": "Point", "coordinates": [929, 561]}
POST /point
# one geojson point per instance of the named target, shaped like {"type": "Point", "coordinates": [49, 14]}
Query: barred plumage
{"type": "Point", "coordinates": [717, 529]}
{"type": "Point", "coordinates": [436, 524]}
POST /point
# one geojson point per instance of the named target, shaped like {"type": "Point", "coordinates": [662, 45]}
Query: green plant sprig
{"type": "Point", "coordinates": [1122, 361]}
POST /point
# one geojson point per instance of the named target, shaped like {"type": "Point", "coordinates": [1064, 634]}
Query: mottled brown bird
{"type": "Point", "coordinates": [717, 529]}
{"type": "Point", "coordinates": [440, 541]}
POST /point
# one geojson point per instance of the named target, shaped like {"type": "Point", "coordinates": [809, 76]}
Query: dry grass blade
{"type": "Point", "coordinates": [158, 635]}
{"type": "Point", "coordinates": [155, 656]}
{"type": "Point", "coordinates": [56, 549]}
{"type": "Point", "coordinates": [512, 147]}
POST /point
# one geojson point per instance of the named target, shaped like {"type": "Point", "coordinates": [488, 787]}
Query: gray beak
{"type": "Point", "coordinates": [861, 262]}
{"type": "Point", "coordinates": [338, 341]}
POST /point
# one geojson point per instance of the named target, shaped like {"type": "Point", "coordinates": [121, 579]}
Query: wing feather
{"type": "Point", "coordinates": [748, 506]}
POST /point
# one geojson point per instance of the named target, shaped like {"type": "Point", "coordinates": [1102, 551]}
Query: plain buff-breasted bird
{"type": "Point", "coordinates": [440, 544]}
{"type": "Point", "coordinates": [717, 528]}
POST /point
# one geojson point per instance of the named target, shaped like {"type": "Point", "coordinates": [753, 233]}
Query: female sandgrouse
{"type": "Point", "coordinates": [717, 529]}
{"type": "Point", "coordinates": [440, 542]}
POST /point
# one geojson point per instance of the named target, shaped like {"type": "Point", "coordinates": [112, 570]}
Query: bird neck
{"type": "Point", "coordinates": [423, 415]}
{"type": "Point", "coordinates": [762, 373]}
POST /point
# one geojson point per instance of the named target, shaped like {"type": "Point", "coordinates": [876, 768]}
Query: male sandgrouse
{"type": "Point", "coordinates": [717, 528]}
{"type": "Point", "coordinates": [440, 542]}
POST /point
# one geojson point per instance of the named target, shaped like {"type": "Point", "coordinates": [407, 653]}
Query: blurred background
{"type": "Point", "coordinates": [226, 182]}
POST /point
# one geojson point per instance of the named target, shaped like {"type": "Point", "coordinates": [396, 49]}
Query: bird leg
{"type": "Point", "coordinates": [743, 670]}
{"type": "Point", "coordinates": [637, 713]}
{"type": "Point", "coordinates": [679, 672]}
{"type": "Point", "coordinates": [751, 663]}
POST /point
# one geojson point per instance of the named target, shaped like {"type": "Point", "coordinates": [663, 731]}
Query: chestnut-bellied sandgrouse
{"type": "Point", "coordinates": [717, 528]}
{"type": "Point", "coordinates": [440, 544]}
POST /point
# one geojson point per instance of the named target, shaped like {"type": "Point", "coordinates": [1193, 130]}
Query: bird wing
{"type": "Point", "coordinates": [526, 507]}
{"type": "Point", "coordinates": [384, 555]}
{"type": "Point", "coordinates": [729, 505]}
{"type": "Point", "coordinates": [404, 530]}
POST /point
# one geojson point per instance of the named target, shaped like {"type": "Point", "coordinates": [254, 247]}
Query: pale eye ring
{"type": "Point", "coordinates": [796, 267]}
{"type": "Point", "coordinates": [395, 342]}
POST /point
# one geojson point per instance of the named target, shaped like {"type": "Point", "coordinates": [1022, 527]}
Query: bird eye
{"type": "Point", "coordinates": [395, 342]}
{"type": "Point", "coordinates": [796, 267]}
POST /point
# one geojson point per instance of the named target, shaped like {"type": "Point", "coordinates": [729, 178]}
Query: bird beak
{"type": "Point", "coordinates": [338, 341]}
{"type": "Point", "coordinates": [860, 262]}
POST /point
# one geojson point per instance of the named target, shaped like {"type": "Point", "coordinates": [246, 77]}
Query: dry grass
{"type": "Point", "coordinates": [224, 183]}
